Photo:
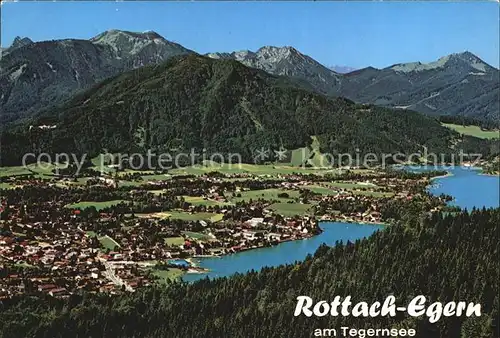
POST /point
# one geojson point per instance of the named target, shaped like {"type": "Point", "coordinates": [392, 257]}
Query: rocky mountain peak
{"type": "Point", "coordinates": [277, 52]}
{"type": "Point", "coordinates": [50, 71]}
{"type": "Point", "coordinates": [243, 54]}
{"type": "Point", "coordinates": [20, 42]}
{"type": "Point", "coordinates": [266, 55]}
{"type": "Point", "coordinates": [115, 37]}
{"type": "Point", "coordinates": [288, 61]}
{"type": "Point", "coordinates": [152, 35]}
{"type": "Point", "coordinates": [461, 62]}
{"type": "Point", "coordinates": [471, 60]}
{"type": "Point", "coordinates": [147, 47]}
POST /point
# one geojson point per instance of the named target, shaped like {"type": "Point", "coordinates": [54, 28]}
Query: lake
{"type": "Point", "coordinates": [283, 253]}
{"type": "Point", "coordinates": [467, 185]}
{"type": "Point", "coordinates": [469, 188]}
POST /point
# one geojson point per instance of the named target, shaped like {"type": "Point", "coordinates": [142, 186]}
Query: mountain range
{"type": "Point", "coordinates": [457, 84]}
{"type": "Point", "coordinates": [35, 75]}
{"type": "Point", "coordinates": [220, 106]}
{"type": "Point", "coordinates": [85, 96]}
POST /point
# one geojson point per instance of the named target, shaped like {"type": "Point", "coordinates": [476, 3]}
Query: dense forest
{"type": "Point", "coordinates": [221, 106]}
{"type": "Point", "coordinates": [445, 258]}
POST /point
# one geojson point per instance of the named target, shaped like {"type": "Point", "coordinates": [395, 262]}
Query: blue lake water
{"type": "Point", "coordinates": [283, 253]}
{"type": "Point", "coordinates": [467, 185]}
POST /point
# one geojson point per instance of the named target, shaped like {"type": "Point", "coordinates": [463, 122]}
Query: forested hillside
{"type": "Point", "coordinates": [222, 106]}
{"type": "Point", "coordinates": [454, 258]}
{"type": "Point", "coordinates": [35, 75]}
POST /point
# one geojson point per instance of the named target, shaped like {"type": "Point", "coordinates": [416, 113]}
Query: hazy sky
{"type": "Point", "coordinates": [356, 34]}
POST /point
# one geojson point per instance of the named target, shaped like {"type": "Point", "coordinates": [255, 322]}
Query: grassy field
{"type": "Point", "coordinates": [309, 155]}
{"type": "Point", "coordinates": [209, 166]}
{"type": "Point", "coordinates": [298, 156]}
{"type": "Point", "coordinates": [197, 200]}
{"type": "Point", "coordinates": [185, 216]}
{"type": "Point", "coordinates": [237, 168]}
{"type": "Point", "coordinates": [266, 194]}
{"type": "Point", "coordinates": [99, 165]}
{"type": "Point", "coordinates": [108, 243]}
{"type": "Point", "coordinates": [156, 177]}
{"type": "Point", "coordinates": [157, 192]}
{"type": "Point", "coordinates": [13, 171]}
{"type": "Point", "coordinates": [97, 205]}
{"type": "Point", "coordinates": [174, 241]}
{"type": "Point", "coordinates": [242, 168]}
{"type": "Point", "coordinates": [199, 216]}
{"type": "Point", "coordinates": [79, 181]}
{"type": "Point", "coordinates": [41, 169]}
{"type": "Point", "coordinates": [321, 190]}
{"type": "Point", "coordinates": [6, 186]}
{"type": "Point", "coordinates": [291, 209]}
{"type": "Point", "coordinates": [196, 235]}
{"type": "Point", "coordinates": [122, 183]}
{"type": "Point", "coordinates": [167, 275]}
{"type": "Point", "coordinates": [473, 131]}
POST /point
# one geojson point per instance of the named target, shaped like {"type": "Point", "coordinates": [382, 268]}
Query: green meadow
{"type": "Point", "coordinates": [185, 216]}
{"type": "Point", "coordinates": [291, 209]}
{"type": "Point", "coordinates": [97, 205]}
{"type": "Point", "coordinates": [197, 200]}
{"type": "Point", "coordinates": [165, 276]}
{"type": "Point", "coordinates": [474, 131]}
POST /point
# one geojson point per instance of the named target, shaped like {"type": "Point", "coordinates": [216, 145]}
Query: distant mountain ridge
{"type": "Point", "coordinates": [36, 75]}
{"type": "Point", "coordinates": [219, 105]}
{"type": "Point", "coordinates": [342, 69]}
{"type": "Point", "coordinates": [17, 43]}
{"type": "Point", "coordinates": [456, 84]}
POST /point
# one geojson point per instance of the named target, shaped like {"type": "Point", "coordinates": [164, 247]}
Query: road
{"type": "Point", "coordinates": [111, 275]}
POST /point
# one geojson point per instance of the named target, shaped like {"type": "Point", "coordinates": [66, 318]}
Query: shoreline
{"type": "Point", "coordinates": [192, 260]}
{"type": "Point", "coordinates": [193, 263]}
{"type": "Point", "coordinates": [449, 174]}
{"type": "Point", "coordinates": [491, 175]}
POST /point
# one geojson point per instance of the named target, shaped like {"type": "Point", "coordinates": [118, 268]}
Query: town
{"type": "Point", "coordinates": [126, 229]}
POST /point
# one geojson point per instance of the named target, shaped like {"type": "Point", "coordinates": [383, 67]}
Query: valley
{"type": "Point", "coordinates": [128, 229]}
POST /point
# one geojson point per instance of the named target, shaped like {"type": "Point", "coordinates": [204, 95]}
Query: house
{"type": "Point", "coordinates": [255, 221]}
{"type": "Point", "coordinates": [58, 292]}
{"type": "Point", "coordinates": [46, 287]}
